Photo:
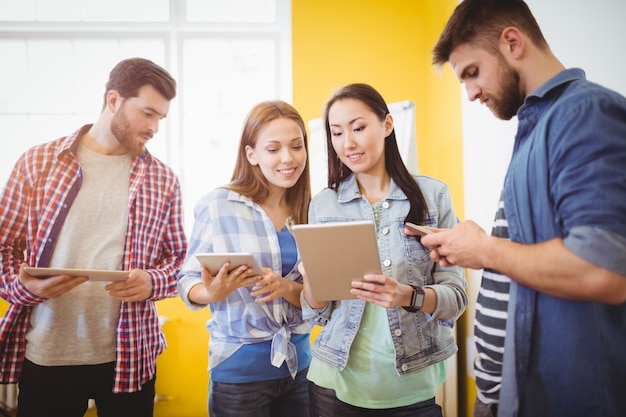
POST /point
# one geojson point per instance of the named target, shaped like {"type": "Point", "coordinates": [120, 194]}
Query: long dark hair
{"type": "Point", "coordinates": [338, 171]}
{"type": "Point", "coordinates": [248, 180]}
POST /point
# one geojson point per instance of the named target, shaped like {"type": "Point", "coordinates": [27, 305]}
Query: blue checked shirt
{"type": "Point", "coordinates": [225, 221]}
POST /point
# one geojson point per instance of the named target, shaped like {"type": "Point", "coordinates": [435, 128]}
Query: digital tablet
{"type": "Point", "coordinates": [93, 274]}
{"type": "Point", "coordinates": [335, 254]}
{"type": "Point", "coordinates": [214, 261]}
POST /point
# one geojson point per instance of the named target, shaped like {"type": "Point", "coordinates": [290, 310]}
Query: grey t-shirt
{"type": "Point", "coordinates": [79, 327]}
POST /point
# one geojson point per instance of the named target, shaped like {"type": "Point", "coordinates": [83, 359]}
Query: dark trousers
{"type": "Point", "coordinates": [325, 403]}
{"type": "Point", "coordinates": [284, 397]}
{"type": "Point", "coordinates": [64, 391]}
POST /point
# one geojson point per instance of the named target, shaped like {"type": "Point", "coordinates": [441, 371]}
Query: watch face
{"type": "Point", "coordinates": [419, 300]}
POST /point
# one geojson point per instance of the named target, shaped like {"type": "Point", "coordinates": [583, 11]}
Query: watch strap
{"type": "Point", "coordinates": [413, 308]}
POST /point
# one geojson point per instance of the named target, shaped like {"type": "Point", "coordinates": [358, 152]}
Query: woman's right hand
{"type": "Point", "coordinates": [217, 288]}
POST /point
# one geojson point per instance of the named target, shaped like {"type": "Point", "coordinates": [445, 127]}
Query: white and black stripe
{"type": "Point", "coordinates": [490, 322]}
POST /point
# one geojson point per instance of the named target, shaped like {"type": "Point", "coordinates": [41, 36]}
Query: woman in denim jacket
{"type": "Point", "coordinates": [384, 352]}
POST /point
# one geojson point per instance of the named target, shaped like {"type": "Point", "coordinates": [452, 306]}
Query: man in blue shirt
{"type": "Point", "coordinates": [565, 204]}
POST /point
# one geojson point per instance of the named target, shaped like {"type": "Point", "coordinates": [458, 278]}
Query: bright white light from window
{"type": "Point", "coordinates": [231, 10]}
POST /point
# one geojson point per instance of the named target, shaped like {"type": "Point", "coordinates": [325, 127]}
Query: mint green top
{"type": "Point", "coordinates": [370, 379]}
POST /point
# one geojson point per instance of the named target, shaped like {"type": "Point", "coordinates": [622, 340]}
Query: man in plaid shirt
{"type": "Point", "coordinates": [98, 200]}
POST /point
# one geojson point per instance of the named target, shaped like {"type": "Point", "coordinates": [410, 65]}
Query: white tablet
{"type": "Point", "coordinates": [93, 274]}
{"type": "Point", "coordinates": [214, 261]}
{"type": "Point", "coordinates": [335, 254]}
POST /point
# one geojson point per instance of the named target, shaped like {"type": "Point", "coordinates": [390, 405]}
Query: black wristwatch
{"type": "Point", "coordinates": [417, 299]}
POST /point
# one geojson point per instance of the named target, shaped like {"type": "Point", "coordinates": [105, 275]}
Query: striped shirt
{"type": "Point", "coordinates": [490, 322]}
{"type": "Point", "coordinates": [225, 221]}
{"type": "Point", "coordinates": [33, 206]}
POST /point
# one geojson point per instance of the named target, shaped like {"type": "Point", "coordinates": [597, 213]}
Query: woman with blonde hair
{"type": "Point", "coordinates": [259, 350]}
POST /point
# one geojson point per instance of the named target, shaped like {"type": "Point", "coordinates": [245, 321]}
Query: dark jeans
{"type": "Point", "coordinates": [485, 410]}
{"type": "Point", "coordinates": [285, 397]}
{"type": "Point", "coordinates": [64, 391]}
{"type": "Point", "coordinates": [325, 403]}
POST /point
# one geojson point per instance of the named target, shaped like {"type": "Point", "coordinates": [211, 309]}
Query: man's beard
{"type": "Point", "coordinates": [512, 97]}
{"type": "Point", "coordinates": [120, 127]}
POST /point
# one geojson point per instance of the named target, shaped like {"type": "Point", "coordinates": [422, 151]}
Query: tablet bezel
{"type": "Point", "coordinates": [93, 274]}
{"type": "Point", "coordinates": [214, 261]}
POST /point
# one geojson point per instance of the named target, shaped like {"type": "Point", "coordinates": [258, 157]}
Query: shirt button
{"type": "Point", "coordinates": [398, 332]}
{"type": "Point", "coordinates": [386, 231]}
{"type": "Point", "coordinates": [386, 262]}
{"type": "Point", "coordinates": [385, 204]}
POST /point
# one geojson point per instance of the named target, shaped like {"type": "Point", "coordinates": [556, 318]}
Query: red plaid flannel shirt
{"type": "Point", "coordinates": [33, 207]}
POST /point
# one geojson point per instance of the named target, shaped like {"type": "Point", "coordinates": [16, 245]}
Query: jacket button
{"type": "Point", "coordinates": [398, 332]}
{"type": "Point", "coordinates": [387, 262]}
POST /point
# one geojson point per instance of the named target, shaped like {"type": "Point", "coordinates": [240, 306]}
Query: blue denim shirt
{"type": "Point", "coordinates": [567, 179]}
{"type": "Point", "coordinates": [419, 339]}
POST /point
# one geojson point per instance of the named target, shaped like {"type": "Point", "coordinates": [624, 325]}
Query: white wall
{"type": "Point", "coordinates": [582, 34]}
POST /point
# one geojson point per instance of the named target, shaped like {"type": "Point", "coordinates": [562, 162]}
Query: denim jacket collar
{"type": "Point", "coordinates": [349, 190]}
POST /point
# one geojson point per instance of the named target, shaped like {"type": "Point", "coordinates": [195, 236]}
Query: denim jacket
{"type": "Point", "coordinates": [419, 339]}
{"type": "Point", "coordinates": [567, 179]}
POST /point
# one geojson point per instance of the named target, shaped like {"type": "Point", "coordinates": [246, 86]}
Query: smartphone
{"type": "Point", "coordinates": [420, 229]}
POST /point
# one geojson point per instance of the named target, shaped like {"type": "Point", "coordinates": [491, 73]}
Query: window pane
{"type": "Point", "coordinates": [17, 10]}
{"type": "Point", "coordinates": [91, 74]}
{"type": "Point", "coordinates": [57, 10]}
{"type": "Point", "coordinates": [125, 10]}
{"type": "Point", "coordinates": [231, 11]}
{"type": "Point", "coordinates": [53, 78]}
{"type": "Point", "coordinates": [13, 145]}
{"type": "Point", "coordinates": [223, 79]}
{"type": "Point", "coordinates": [13, 97]}
{"type": "Point", "coordinates": [45, 127]}
{"type": "Point", "coordinates": [50, 73]}
{"type": "Point", "coordinates": [101, 10]}
{"type": "Point", "coordinates": [152, 49]}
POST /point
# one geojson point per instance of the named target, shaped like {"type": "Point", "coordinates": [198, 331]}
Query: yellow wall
{"type": "Point", "coordinates": [386, 44]}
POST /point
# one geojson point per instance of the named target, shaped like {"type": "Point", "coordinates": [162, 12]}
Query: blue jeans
{"type": "Point", "coordinates": [324, 403]}
{"type": "Point", "coordinates": [64, 391]}
{"type": "Point", "coordinates": [285, 397]}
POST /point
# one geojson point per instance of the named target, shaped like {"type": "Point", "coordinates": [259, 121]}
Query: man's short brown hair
{"type": "Point", "coordinates": [129, 75]}
{"type": "Point", "coordinates": [480, 23]}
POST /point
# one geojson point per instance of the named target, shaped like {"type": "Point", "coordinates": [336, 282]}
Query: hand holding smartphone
{"type": "Point", "coordinates": [419, 229]}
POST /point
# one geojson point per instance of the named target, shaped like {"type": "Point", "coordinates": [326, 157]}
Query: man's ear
{"type": "Point", "coordinates": [114, 100]}
{"type": "Point", "coordinates": [512, 43]}
{"type": "Point", "coordinates": [250, 155]}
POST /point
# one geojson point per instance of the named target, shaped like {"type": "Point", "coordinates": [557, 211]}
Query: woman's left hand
{"type": "Point", "coordinates": [269, 287]}
{"type": "Point", "coordinates": [382, 290]}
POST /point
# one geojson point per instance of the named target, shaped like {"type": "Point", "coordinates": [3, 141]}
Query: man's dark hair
{"type": "Point", "coordinates": [129, 75]}
{"type": "Point", "coordinates": [480, 23]}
